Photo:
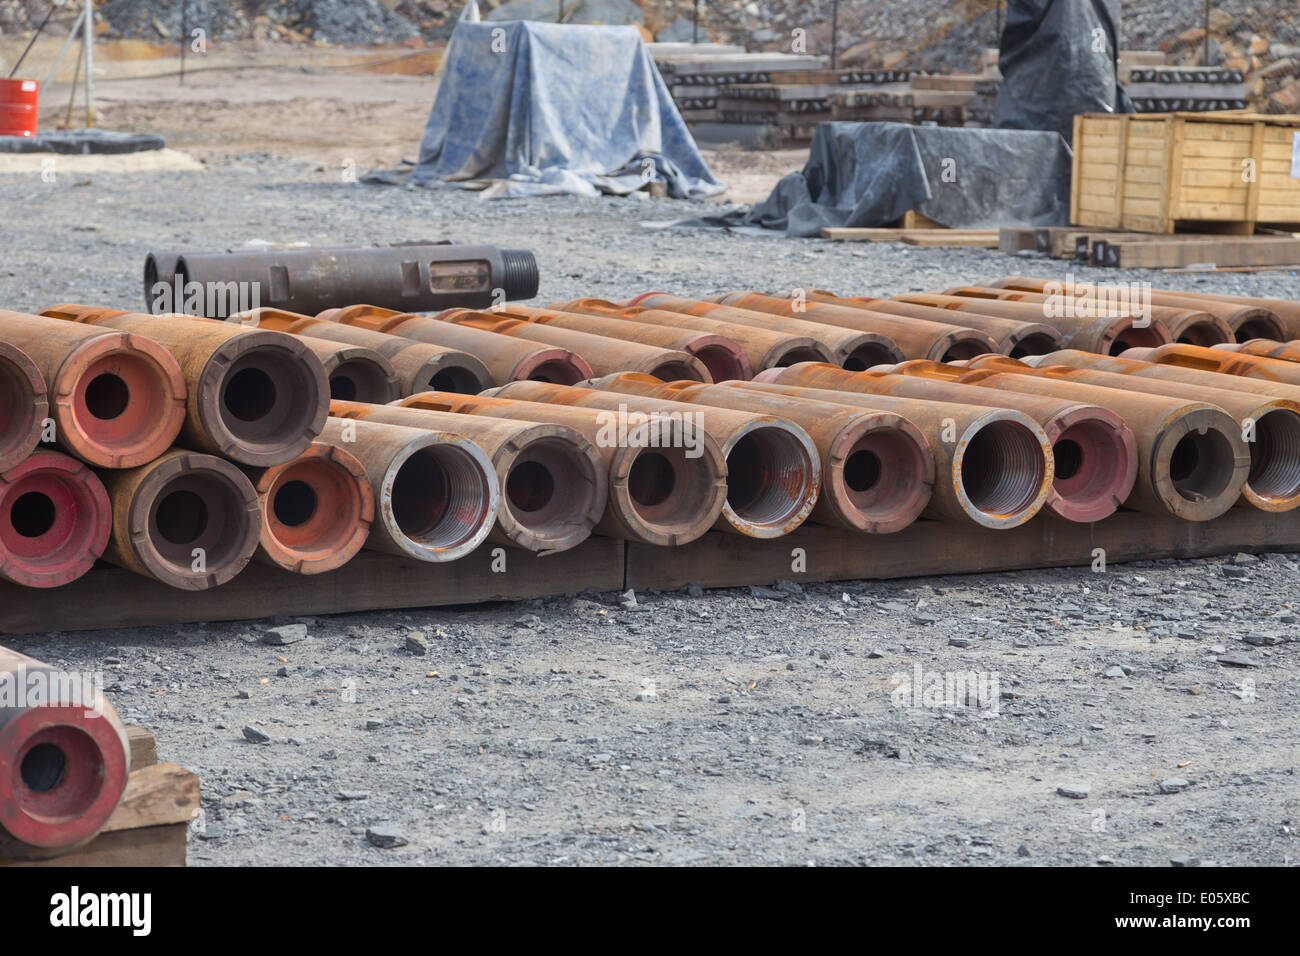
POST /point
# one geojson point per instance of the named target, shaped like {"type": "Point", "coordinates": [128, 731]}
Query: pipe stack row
{"type": "Point", "coordinates": [182, 448]}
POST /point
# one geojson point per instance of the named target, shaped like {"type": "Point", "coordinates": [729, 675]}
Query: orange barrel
{"type": "Point", "coordinates": [18, 107]}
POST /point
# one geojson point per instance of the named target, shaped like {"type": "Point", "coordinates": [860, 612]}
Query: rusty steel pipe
{"type": "Point", "coordinates": [1265, 348]}
{"type": "Point", "coordinates": [993, 465]}
{"type": "Point", "coordinates": [764, 348]}
{"type": "Point", "coordinates": [1193, 326]}
{"type": "Point", "coordinates": [255, 397]}
{"type": "Point", "coordinates": [877, 470]}
{"type": "Point", "coordinates": [553, 486]}
{"type": "Point", "coordinates": [117, 400]}
{"type": "Point", "coordinates": [54, 520]}
{"type": "Point", "coordinates": [1240, 364]}
{"type": "Point", "coordinates": [1287, 312]}
{"type": "Point", "coordinates": [436, 493]}
{"type": "Point", "coordinates": [1106, 334]}
{"type": "Point", "coordinates": [508, 359]}
{"type": "Point", "coordinates": [851, 348]}
{"type": "Point", "coordinates": [1192, 460]}
{"type": "Point", "coordinates": [187, 519]}
{"type": "Point", "coordinates": [723, 357]}
{"type": "Point", "coordinates": [64, 758]}
{"type": "Point", "coordinates": [773, 469]}
{"type": "Point", "coordinates": [316, 510]}
{"type": "Point", "coordinates": [419, 366]}
{"type": "Point", "coordinates": [411, 276]}
{"type": "Point", "coordinates": [356, 373]}
{"type": "Point", "coordinates": [915, 338]}
{"type": "Point", "coordinates": [1270, 426]}
{"type": "Point", "coordinates": [24, 405]}
{"type": "Point", "coordinates": [664, 495]}
{"type": "Point", "coordinates": [1013, 337]}
{"type": "Point", "coordinates": [1245, 319]}
{"type": "Point", "coordinates": [604, 355]}
{"type": "Point", "coordinates": [1094, 453]}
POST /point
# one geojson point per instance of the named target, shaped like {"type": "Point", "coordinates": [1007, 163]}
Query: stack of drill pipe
{"type": "Point", "coordinates": [1013, 337]}
{"type": "Point", "coordinates": [64, 759]}
{"type": "Point", "coordinates": [1193, 326]}
{"type": "Point", "coordinates": [723, 357]}
{"type": "Point", "coordinates": [1106, 334]}
{"type": "Point", "coordinates": [764, 348]}
{"type": "Point", "coordinates": [1094, 452]}
{"type": "Point", "coordinates": [316, 510]}
{"type": "Point", "coordinates": [508, 359]}
{"type": "Point", "coordinates": [437, 493]}
{"type": "Point", "coordinates": [993, 466]}
{"type": "Point", "coordinates": [254, 396]}
{"type": "Point", "coordinates": [420, 366]}
{"type": "Point", "coordinates": [604, 355]}
{"type": "Point", "coordinates": [1245, 319]}
{"type": "Point", "coordinates": [915, 338]}
{"type": "Point", "coordinates": [1218, 360]}
{"type": "Point", "coordinates": [553, 484]}
{"type": "Point", "coordinates": [660, 493]}
{"type": "Point", "coordinates": [54, 520]}
{"type": "Point", "coordinates": [1270, 424]}
{"type": "Point", "coordinates": [1287, 311]}
{"type": "Point", "coordinates": [773, 469]}
{"type": "Point", "coordinates": [1192, 460]}
{"type": "Point", "coordinates": [853, 347]}
{"type": "Point", "coordinates": [24, 405]}
{"type": "Point", "coordinates": [117, 399]}
{"type": "Point", "coordinates": [877, 469]}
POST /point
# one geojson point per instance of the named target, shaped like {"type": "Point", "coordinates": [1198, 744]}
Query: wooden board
{"type": "Point", "coordinates": [111, 597]}
{"type": "Point", "coordinates": [930, 548]}
{"type": "Point", "coordinates": [1179, 253]}
{"type": "Point", "coordinates": [974, 238]}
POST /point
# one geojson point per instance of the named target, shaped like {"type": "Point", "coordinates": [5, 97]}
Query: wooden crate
{"type": "Point", "coordinates": [1184, 171]}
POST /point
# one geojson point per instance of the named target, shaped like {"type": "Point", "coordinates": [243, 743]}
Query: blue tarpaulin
{"type": "Point", "coordinates": [528, 109]}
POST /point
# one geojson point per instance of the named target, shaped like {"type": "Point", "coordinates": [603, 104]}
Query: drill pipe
{"type": "Point", "coordinates": [64, 758]}
{"type": "Point", "coordinates": [993, 465]}
{"type": "Point", "coordinates": [1246, 318]}
{"type": "Point", "coordinates": [316, 510]}
{"type": "Point", "coordinates": [1191, 326]}
{"type": "Point", "coordinates": [1286, 310]}
{"type": "Point", "coordinates": [188, 520]}
{"type": "Point", "coordinates": [1106, 334]}
{"type": "Point", "coordinates": [1271, 426]}
{"type": "Point", "coordinates": [117, 400]}
{"type": "Point", "coordinates": [1094, 453]}
{"type": "Point", "coordinates": [604, 355]}
{"type": "Point", "coordinates": [723, 357]}
{"type": "Point", "coordinates": [54, 520]}
{"type": "Point", "coordinates": [356, 373]}
{"type": "Point", "coordinates": [915, 338]}
{"type": "Point", "coordinates": [1265, 348]}
{"type": "Point", "coordinates": [412, 277]}
{"type": "Point", "coordinates": [773, 469]}
{"type": "Point", "coordinates": [1192, 460]}
{"type": "Point", "coordinates": [1013, 337]}
{"type": "Point", "coordinates": [24, 405]}
{"type": "Point", "coordinates": [255, 397]}
{"type": "Point", "coordinates": [419, 366]}
{"type": "Point", "coordinates": [1217, 360]}
{"type": "Point", "coordinates": [437, 494]}
{"type": "Point", "coordinates": [508, 359]}
{"type": "Point", "coordinates": [763, 348]}
{"type": "Point", "coordinates": [658, 494]}
{"type": "Point", "coordinates": [851, 347]}
{"type": "Point", "coordinates": [552, 480]}
{"type": "Point", "coordinates": [877, 470]}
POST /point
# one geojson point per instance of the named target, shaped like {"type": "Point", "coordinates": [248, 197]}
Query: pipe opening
{"type": "Point", "coordinates": [1255, 329]}
{"type": "Point", "coordinates": [249, 394]}
{"type": "Point", "coordinates": [552, 490]}
{"type": "Point", "coordinates": [453, 379]}
{"type": "Point", "coordinates": [1201, 465]}
{"type": "Point", "coordinates": [440, 497]}
{"type": "Point", "coordinates": [530, 486]}
{"type": "Point", "coordinates": [964, 349]}
{"type": "Point", "coordinates": [295, 503]}
{"type": "Point", "coordinates": [343, 388]}
{"type": "Point", "coordinates": [1132, 337]}
{"type": "Point", "coordinates": [1036, 343]}
{"type": "Point", "coordinates": [200, 511]}
{"type": "Point", "coordinates": [1199, 333]}
{"type": "Point", "coordinates": [676, 372]}
{"type": "Point", "coordinates": [556, 373]}
{"type": "Point", "coordinates": [722, 363]}
{"type": "Point", "coordinates": [862, 470]}
{"type": "Point", "coordinates": [107, 396]}
{"type": "Point", "coordinates": [767, 477]}
{"type": "Point", "coordinates": [1002, 468]}
{"type": "Point", "coordinates": [651, 479]}
{"type": "Point", "coordinates": [360, 380]}
{"type": "Point", "coordinates": [44, 767]}
{"type": "Point", "coordinates": [869, 356]}
{"type": "Point", "coordinates": [1069, 458]}
{"type": "Point", "coordinates": [32, 514]}
{"type": "Point", "coordinates": [1275, 455]}
{"type": "Point", "coordinates": [182, 517]}
{"type": "Point", "coordinates": [799, 354]}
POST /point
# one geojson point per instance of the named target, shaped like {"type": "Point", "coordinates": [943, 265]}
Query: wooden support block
{"type": "Point", "coordinates": [1172, 252]}
{"type": "Point", "coordinates": [1013, 239]}
{"type": "Point", "coordinates": [149, 847]}
{"type": "Point", "coordinates": [144, 748]}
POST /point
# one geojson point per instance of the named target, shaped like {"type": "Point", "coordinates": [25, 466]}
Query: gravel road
{"type": "Point", "coordinates": [775, 726]}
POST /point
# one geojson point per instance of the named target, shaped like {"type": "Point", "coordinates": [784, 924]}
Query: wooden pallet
{"type": "Point", "coordinates": [151, 825]}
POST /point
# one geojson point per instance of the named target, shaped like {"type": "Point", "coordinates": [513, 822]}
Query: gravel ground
{"type": "Point", "coordinates": [723, 727]}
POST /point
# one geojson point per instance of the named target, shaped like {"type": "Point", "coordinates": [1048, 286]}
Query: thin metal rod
{"type": "Point", "coordinates": [72, 93]}
{"type": "Point", "coordinates": [835, 33]}
{"type": "Point", "coordinates": [1205, 57]}
{"type": "Point", "coordinates": [88, 44]}
{"type": "Point", "coordinates": [695, 28]}
{"type": "Point", "coordinates": [32, 43]}
{"type": "Point", "coordinates": [67, 42]}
